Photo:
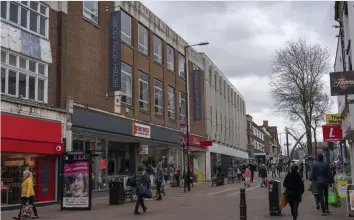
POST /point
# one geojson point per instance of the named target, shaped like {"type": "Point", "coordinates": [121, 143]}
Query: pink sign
{"type": "Point", "coordinates": [76, 168]}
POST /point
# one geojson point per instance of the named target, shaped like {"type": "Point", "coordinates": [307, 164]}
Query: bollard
{"type": "Point", "coordinates": [243, 206]}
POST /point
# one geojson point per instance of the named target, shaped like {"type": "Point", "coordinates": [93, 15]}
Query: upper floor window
{"type": "Point", "coordinates": [91, 11]}
{"type": "Point", "coordinates": [158, 90]}
{"type": "Point", "coordinates": [126, 81]}
{"type": "Point", "coordinates": [30, 15]}
{"type": "Point", "coordinates": [23, 77]}
{"type": "Point", "coordinates": [181, 63]}
{"type": "Point", "coordinates": [170, 58]}
{"type": "Point", "coordinates": [143, 39]}
{"type": "Point", "coordinates": [126, 28]}
{"type": "Point", "coordinates": [171, 102]}
{"type": "Point", "coordinates": [143, 91]}
{"type": "Point", "coordinates": [182, 107]}
{"type": "Point", "coordinates": [157, 49]}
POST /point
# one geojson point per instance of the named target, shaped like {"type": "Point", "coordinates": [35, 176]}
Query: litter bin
{"type": "Point", "coordinates": [116, 192]}
{"type": "Point", "coordinates": [274, 192]}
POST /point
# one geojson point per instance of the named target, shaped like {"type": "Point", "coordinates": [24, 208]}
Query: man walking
{"type": "Point", "coordinates": [159, 178]}
{"type": "Point", "coordinates": [323, 178]}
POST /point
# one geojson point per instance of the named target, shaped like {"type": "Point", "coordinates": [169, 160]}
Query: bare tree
{"type": "Point", "coordinates": [296, 82]}
{"type": "Point", "coordinates": [319, 114]}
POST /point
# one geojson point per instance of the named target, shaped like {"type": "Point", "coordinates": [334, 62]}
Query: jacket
{"type": "Point", "coordinates": [159, 172]}
{"type": "Point", "coordinates": [248, 172]}
{"type": "Point", "coordinates": [27, 187]}
{"type": "Point", "coordinates": [141, 178]}
{"type": "Point", "coordinates": [263, 172]}
{"type": "Point", "coordinates": [321, 173]}
{"type": "Point", "coordinates": [294, 186]}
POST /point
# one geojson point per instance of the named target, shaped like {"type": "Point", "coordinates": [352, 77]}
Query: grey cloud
{"type": "Point", "coordinates": [231, 33]}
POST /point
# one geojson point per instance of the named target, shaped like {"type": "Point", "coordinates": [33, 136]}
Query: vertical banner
{"type": "Point", "coordinates": [115, 51]}
{"type": "Point", "coordinates": [197, 95]}
{"type": "Point", "coordinates": [342, 83]}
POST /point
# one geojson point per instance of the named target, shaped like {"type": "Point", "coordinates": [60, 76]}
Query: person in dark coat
{"type": "Point", "coordinates": [294, 190]}
{"type": "Point", "coordinates": [140, 178]}
{"type": "Point", "coordinates": [263, 174]}
{"type": "Point", "coordinates": [322, 175]}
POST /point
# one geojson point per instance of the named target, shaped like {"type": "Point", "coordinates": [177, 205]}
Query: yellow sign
{"type": "Point", "coordinates": [333, 119]}
{"type": "Point", "coordinates": [342, 189]}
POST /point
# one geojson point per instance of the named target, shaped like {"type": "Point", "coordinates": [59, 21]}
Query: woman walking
{"type": "Point", "coordinates": [27, 192]}
{"type": "Point", "coordinates": [248, 176]}
{"type": "Point", "coordinates": [294, 190]}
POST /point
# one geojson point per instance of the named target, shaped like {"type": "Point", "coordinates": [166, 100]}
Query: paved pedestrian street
{"type": "Point", "coordinates": [203, 202]}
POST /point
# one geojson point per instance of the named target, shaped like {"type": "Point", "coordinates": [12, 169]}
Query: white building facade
{"type": "Point", "coordinates": [344, 14]}
{"type": "Point", "coordinates": [225, 111]}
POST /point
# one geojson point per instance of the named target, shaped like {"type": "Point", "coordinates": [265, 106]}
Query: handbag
{"type": "Point", "coordinates": [26, 211]}
{"type": "Point", "coordinates": [283, 200]}
{"type": "Point", "coordinates": [145, 192]}
{"type": "Point", "coordinates": [334, 199]}
{"type": "Point", "coordinates": [266, 183]}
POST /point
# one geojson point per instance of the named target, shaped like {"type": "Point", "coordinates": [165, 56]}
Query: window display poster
{"type": "Point", "coordinates": [342, 189]}
{"type": "Point", "coordinates": [76, 185]}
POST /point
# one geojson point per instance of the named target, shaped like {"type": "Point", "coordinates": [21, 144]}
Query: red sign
{"type": "Point", "coordinates": [183, 134]}
{"type": "Point", "coordinates": [140, 130]}
{"type": "Point", "coordinates": [199, 142]}
{"type": "Point", "coordinates": [331, 133]}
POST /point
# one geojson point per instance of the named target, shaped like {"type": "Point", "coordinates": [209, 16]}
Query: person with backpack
{"type": "Point", "coordinates": [142, 184]}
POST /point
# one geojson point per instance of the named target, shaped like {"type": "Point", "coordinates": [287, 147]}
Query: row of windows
{"type": "Point", "coordinates": [30, 15]}
{"type": "Point", "coordinates": [258, 134]}
{"type": "Point", "coordinates": [143, 45]}
{"type": "Point", "coordinates": [23, 77]}
{"type": "Point", "coordinates": [126, 82]}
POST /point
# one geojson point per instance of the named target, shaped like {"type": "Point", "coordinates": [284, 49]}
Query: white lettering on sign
{"type": "Point", "coordinates": [331, 135]}
{"type": "Point", "coordinates": [196, 141]}
{"type": "Point", "coordinates": [140, 130]}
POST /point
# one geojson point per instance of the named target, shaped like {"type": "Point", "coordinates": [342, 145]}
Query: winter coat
{"type": "Point", "coordinates": [294, 186]}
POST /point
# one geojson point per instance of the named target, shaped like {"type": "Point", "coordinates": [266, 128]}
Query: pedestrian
{"type": "Point", "coordinates": [141, 179]}
{"type": "Point", "coordinates": [322, 175]}
{"type": "Point", "coordinates": [178, 176]}
{"type": "Point", "coordinates": [253, 169]}
{"type": "Point", "coordinates": [239, 174]}
{"type": "Point", "coordinates": [159, 179]}
{"type": "Point", "coordinates": [314, 191]}
{"type": "Point", "coordinates": [248, 176]}
{"type": "Point", "coordinates": [32, 198]}
{"type": "Point", "coordinates": [263, 174]}
{"type": "Point", "coordinates": [273, 167]}
{"type": "Point", "coordinates": [294, 190]}
{"type": "Point", "coordinates": [301, 169]}
{"type": "Point", "coordinates": [190, 179]}
{"type": "Point", "coordinates": [27, 192]}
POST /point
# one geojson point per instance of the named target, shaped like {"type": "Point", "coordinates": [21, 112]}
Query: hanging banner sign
{"type": "Point", "coordinates": [331, 133]}
{"type": "Point", "coordinates": [144, 149]}
{"type": "Point", "coordinates": [334, 119]}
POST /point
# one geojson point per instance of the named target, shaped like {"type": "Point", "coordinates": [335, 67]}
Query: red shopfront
{"type": "Point", "coordinates": [29, 143]}
{"type": "Point", "coordinates": [197, 148]}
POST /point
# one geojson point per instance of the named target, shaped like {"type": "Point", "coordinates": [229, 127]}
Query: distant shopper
{"type": "Point", "coordinates": [294, 190]}
{"type": "Point", "coordinates": [322, 175]}
{"type": "Point", "coordinates": [178, 176]}
{"type": "Point", "coordinates": [263, 174]}
{"type": "Point", "coordinates": [274, 169]}
{"type": "Point", "coordinates": [159, 176]}
{"type": "Point", "coordinates": [141, 179]}
{"type": "Point", "coordinates": [27, 192]}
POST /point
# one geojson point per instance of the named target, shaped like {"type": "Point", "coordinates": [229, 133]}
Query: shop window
{"type": "Point", "coordinates": [12, 167]}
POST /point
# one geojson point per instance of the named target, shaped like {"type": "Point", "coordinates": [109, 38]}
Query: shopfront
{"type": "Point", "coordinates": [119, 140]}
{"type": "Point", "coordinates": [33, 144]}
{"type": "Point", "coordinates": [197, 149]}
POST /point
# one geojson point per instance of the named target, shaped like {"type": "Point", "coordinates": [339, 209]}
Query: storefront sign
{"type": "Point", "coordinates": [342, 189]}
{"type": "Point", "coordinates": [144, 149]}
{"type": "Point", "coordinates": [140, 130]}
{"type": "Point", "coordinates": [76, 185]}
{"type": "Point", "coordinates": [102, 164]}
{"type": "Point", "coordinates": [115, 50]}
{"type": "Point", "coordinates": [333, 119]}
{"type": "Point", "coordinates": [14, 162]}
{"type": "Point", "coordinates": [331, 133]}
{"type": "Point", "coordinates": [199, 142]}
{"type": "Point", "coordinates": [342, 83]}
{"type": "Point", "coordinates": [197, 95]}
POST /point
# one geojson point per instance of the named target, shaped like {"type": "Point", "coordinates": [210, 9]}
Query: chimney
{"type": "Point", "coordinates": [265, 124]}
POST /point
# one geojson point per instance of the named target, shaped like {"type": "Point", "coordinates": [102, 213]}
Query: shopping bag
{"type": "Point", "coordinates": [145, 192]}
{"type": "Point", "coordinates": [283, 201]}
{"type": "Point", "coordinates": [334, 199]}
{"type": "Point", "coordinates": [266, 183]}
{"type": "Point", "coordinates": [26, 211]}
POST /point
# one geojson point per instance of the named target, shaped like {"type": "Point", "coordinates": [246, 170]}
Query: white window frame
{"type": "Point", "coordinates": [171, 102]}
{"type": "Point", "coordinates": [20, 5]}
{"type": "Point", "coordinates": [90, 13]}
{"type": "Point", "coordinates": [126, 37]}
{"type": "Point", "coordinates": [158, 54]}
{"type": "Point", "coordinates": [170, 65]}
{"type": "Point", "coordinates": [181, 65]}
{"type": "Point", "coordinates": [182, 106]}
{"type": "Point", "coordinates": [143, 104]}
{"type": "Point", "coordinates": [143, 46]}
{"type": "Point", "coordinates": [158, 89]}
{"type": "Point", "coordinates": [36, 75]}
{"type": "Point", "coordinates": [126, 97]}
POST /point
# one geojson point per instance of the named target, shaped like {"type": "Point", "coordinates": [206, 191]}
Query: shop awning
{"type": "Point", "coordinates": [30, 135]}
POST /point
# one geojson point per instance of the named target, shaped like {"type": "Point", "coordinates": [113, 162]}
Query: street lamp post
{"type": "Point", "coordinates": [185, 151]}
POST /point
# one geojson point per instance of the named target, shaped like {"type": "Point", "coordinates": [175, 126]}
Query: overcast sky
{"type": "Point", "coordinates": [243, 37]}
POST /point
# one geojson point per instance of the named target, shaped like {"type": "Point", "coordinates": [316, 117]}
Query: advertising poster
{"type": "Point", "coordinates": [76, 185]}
{"type": "Point", "coordinates": [351, 200]}
{"type": "Point", "coordinates": [342, 189]}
